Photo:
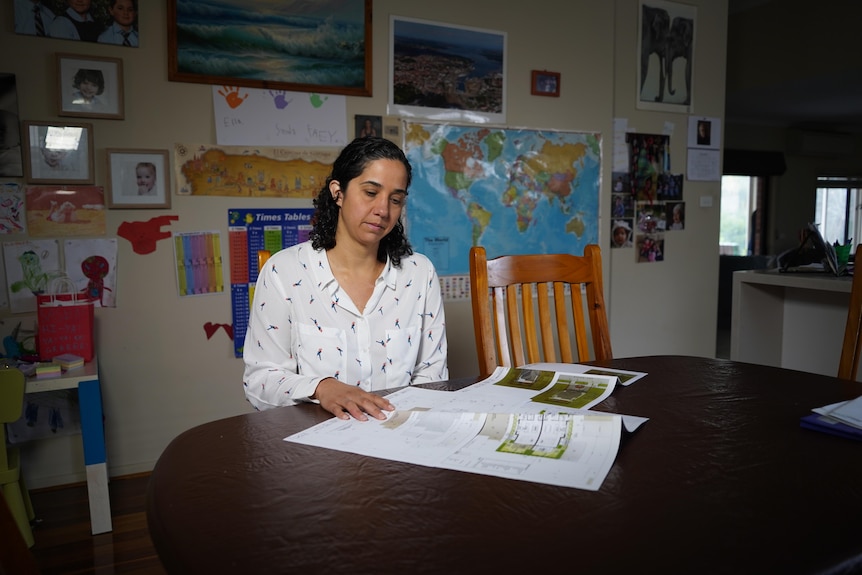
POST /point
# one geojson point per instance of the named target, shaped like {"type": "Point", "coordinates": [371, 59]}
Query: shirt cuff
{"type": "Point", "coordinates": [304, 391]}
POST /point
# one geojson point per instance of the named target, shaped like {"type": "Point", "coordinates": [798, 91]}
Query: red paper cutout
{"type": "Point", "coordinates": [144, 235]}
{"type": "Point", "coordinates": [210, 328]}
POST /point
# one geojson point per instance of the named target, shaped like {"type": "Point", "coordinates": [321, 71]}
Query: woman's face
{"type": "Point", "coordinates": [372, 203]}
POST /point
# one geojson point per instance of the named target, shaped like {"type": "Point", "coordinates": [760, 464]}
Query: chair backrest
{"type": "Point", "coordinates": [848, 365]}
{"type": "Point", "coordinates": [515, 319]}
{"type": "Point", "coordinates": [12, 382]}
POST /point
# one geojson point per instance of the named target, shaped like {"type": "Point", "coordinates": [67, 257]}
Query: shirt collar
{"type": "Point", "coordinates": [323, 273]}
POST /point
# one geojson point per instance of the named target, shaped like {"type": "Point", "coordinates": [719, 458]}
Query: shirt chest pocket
{"type": "Point", "coordinates": [320, 351]}
{"type": "Point", "coordinates": [402, 349]}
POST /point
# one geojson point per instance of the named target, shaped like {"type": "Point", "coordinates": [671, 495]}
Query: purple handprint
{"type": "Point", "coordinates": [278, 97]}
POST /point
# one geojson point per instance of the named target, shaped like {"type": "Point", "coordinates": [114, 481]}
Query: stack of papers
{"type": "Point", "coordinates": [529, 424]}
{"type": "Point", "coordinates": [69, 361]}
{"type": "Point", "coordinates": [843, 419]}
{"type": "Point", "coordinates": [48, 370]}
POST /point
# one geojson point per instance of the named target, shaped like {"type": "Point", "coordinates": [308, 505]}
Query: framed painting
{"type": "Point", "coordinates": [58, 153]}
{"type": "Point", "coordinates": [666, 34]}
{"type": "Point", "coordinates": [445, 72]}
{"type": "Point", "coordinates": [544, 83]}
{"type": "Point", "coordinates": [90, 87]}
{"type": "Point", "coordinates": [272, 45]}
{"type": "Point", "coordinates": [138, 179]}
{"type": "Point", "coordinates": [65, 211]}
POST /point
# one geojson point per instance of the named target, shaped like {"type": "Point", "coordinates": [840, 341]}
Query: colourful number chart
{"type": "Point", "coordinates": [199, 263]}
{"type": "Point", "coordinates": [253, 236]}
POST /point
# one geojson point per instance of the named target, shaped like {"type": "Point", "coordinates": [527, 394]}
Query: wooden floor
{"type": "Point", "coordinates": [65, 546]}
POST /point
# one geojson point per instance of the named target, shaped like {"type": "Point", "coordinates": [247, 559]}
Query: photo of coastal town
{"type": "Point", "coordinates": [447, 67]}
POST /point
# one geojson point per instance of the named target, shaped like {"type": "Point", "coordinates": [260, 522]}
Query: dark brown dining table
{"type": "Point", "coordinates": [720, 479]}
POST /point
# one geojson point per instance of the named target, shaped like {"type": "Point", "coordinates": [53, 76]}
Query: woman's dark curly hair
{"type": "Point", "coordinates": [351, 162]}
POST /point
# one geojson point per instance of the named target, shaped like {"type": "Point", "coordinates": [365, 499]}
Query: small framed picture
{"type": "Point", "coordinates": [58, 153]}
{"type": "Point", "coordinates": [138, 179]}
{"type": "Point", "coordinates": [366, 126]}
{"type": "Point", "coordinates": [90, 87]}
{"type": "Point", "coordinates": [545, 83]}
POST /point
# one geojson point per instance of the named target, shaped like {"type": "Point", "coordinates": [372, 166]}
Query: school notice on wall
{"type": "Point", "coordinates": [253, 236]}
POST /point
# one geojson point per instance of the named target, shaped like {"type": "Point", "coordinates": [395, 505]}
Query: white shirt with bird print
{"type": "Point", "coordinates": [304, 328]}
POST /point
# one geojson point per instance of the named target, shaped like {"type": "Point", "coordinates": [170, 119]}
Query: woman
{"type": "Point", "coordinates": [353, 310]}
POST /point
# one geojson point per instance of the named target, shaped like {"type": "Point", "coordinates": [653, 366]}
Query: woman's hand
{"type": "Point", "coordinates": [344, 401]}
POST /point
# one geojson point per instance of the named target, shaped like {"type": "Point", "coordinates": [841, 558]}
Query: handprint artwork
{"type": "Point", "coordinates": [232, 97]}
{"type": "Point", "coordinates": [279, 99]}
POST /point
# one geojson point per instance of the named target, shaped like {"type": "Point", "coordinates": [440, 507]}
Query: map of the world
{"type": "Point", "coordinates": [512, 191]}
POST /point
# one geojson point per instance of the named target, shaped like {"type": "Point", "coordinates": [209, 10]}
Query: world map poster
{"type": "Point", "coordinates": [513, 191]}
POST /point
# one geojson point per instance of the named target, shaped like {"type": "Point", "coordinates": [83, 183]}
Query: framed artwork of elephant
{"type": "Point", "coordinates": [666, 34]}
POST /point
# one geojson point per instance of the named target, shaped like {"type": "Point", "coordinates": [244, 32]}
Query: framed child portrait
{"type": "Point", "coordinates": [58, 153]}
{"type": "Point", "coordinates": [90, 87]}
{"type": "Point", "coordinates": [138, 179]}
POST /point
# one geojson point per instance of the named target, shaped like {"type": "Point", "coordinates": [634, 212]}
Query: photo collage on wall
{"type": "Point", "coordinates": [647, 200]}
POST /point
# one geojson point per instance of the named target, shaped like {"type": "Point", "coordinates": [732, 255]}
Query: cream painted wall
{"type": "Point", "coordinates": [671, 307]}
{"type": "Point", "coordinates": [161, 376]}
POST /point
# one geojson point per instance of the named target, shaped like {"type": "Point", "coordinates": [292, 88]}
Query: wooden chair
{"type": "Point", "coordinates": [508, 327]}
{"type": "Point", "coordinates": [848, 365]}
{"type": "Point", "coordinates": [14, 490]}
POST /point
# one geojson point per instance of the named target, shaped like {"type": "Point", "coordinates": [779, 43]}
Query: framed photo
{"type": "Point", "coordinates": [666, 34]}
{"type": "Point", "coordinates": [279, 48]}
{"type": "Point", "coordinates": [58, 153]}
{"type": "Point", "coordinates": [90, 87]}
{"type": "Point", "coordinates": [110, 23]}
{"type": "Point", "coordinates": [365, 126]}
{"type": "Point", "coordinates": [468, 66]}
{"type": "Point", "coordinates": [544, 83]}
{"type": "Point", "coordinates": [138, 179]}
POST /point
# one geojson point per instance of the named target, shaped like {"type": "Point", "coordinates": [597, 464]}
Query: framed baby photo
{"type": "Point", "coordinates": [90, 87]}
{"type": "Point", "coordinates": [138, 179]}
{"type": "Point", "coordinates": [58, 152]}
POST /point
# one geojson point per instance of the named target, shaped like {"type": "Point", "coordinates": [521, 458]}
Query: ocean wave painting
{"type": "Point", "coordinates": [320, 46]}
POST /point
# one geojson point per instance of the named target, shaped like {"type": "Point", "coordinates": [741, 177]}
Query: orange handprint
{"type": "Point", "coordinates": [231, 96]}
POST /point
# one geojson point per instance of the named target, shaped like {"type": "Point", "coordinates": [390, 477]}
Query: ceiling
{"type": "Point", "coordinates": [795, 64]}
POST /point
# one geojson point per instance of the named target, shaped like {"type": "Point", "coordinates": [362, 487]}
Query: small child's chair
{"type": "Point", "coordinates": [12, 384]}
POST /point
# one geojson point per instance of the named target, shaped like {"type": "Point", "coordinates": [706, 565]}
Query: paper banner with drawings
{"type": "Point", "coordinates": [30, 268]}
{"type": "Point", "coordinates": [11, 209]}
{"type": "Point", "coordinates": [92, 267]}
{"type": "Point", "coordinates": [258, 172]}
{"type": "Point", "coordinates": [252, 117]}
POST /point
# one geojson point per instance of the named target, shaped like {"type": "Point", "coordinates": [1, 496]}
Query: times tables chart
{"type": "Point", "coordinates": [251, 232]}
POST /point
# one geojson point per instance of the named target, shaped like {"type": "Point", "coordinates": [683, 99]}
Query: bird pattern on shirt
{"type": "Point", "coordinates": [374, 350]}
